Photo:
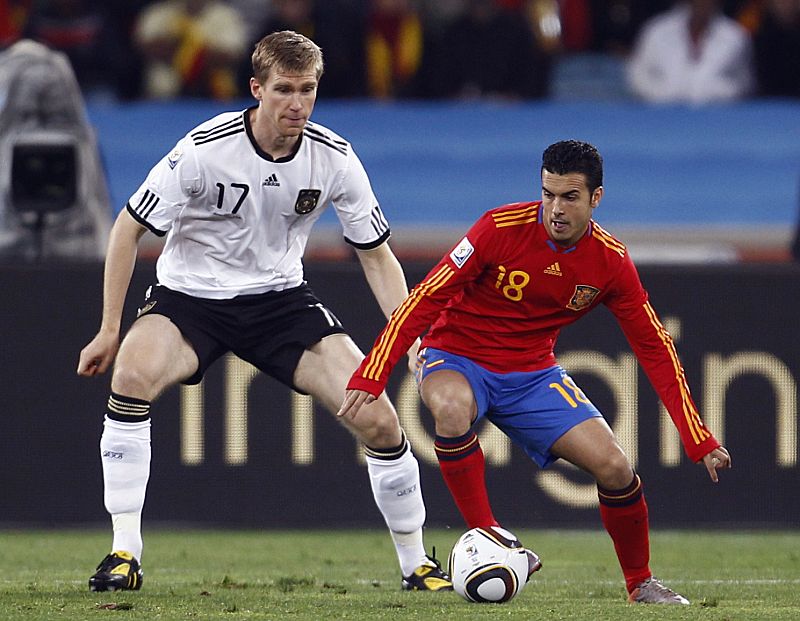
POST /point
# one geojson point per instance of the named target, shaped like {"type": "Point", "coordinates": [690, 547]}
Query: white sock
{"type": "Point", "coordinates": [396, 489]}
{"type": "Point", "coordinates": [128, 533]}
{"type": "Point", "coordinates": [125, 454]}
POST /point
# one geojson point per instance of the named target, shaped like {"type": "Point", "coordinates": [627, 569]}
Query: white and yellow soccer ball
{"type": "Point", "coordinates": [490, 565]}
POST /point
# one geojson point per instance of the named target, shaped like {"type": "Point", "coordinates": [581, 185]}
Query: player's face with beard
{"type": "Point", "coordinates": [287, 100]}
{"type": "Point", "coordinates": [567, 206]}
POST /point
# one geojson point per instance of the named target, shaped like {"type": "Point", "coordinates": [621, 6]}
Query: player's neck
{"type": "Point", "coordinates": [270, 140]}
{"type": "Point", "coordinates": [279, 146]}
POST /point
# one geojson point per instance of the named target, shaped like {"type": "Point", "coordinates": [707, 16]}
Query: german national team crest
{"type": "Point", "coordinates": [583, 297]}
{"type": "Point", "coordinates": [306, 201]}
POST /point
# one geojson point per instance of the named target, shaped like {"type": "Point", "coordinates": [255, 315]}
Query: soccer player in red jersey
{"type": "Point", "coordinates": [493, 308]}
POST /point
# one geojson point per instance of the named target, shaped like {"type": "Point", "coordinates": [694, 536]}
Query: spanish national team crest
{"type": "Point", "coordinates": [583, 297]}
{"type": "Point", "coordinates": [306, 201]}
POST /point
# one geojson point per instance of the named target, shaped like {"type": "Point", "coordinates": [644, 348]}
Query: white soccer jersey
{"type": "Point", "coordinates": [237, 221]}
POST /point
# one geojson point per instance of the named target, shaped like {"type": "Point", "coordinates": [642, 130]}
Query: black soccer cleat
{"type": "Point", "coordinates": [428, 577]}
{"type": "Point", "coordinates": [118, 571]}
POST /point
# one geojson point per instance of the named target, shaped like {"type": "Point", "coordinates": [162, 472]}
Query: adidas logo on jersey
{"type": "Point", "coordinates": [272, 180]}
{"type": "Point", "coordinates": [553, 270]}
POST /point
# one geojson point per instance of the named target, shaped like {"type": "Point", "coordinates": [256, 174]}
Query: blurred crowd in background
{"type": "Point", "coordinates": [694, 51]}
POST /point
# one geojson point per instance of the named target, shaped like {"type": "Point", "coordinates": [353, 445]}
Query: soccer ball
{"type": "Point", "coordinates": [490, 565]}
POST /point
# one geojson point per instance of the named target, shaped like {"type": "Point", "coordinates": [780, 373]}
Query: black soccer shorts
{"type": "Point", "coordinates": [269, 330]}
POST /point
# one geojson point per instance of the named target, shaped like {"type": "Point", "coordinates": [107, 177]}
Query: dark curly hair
{"type": "Point", "coordinates": [574, 156]}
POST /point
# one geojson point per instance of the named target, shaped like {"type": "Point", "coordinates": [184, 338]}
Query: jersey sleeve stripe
{"type": "Point", "coordinates": [147, 204]}
{"type": "Point", "coordinates": [312, 129]}
{"type": "Point", "coordinates": [691, 415]}
{"type": "Point", "coordinates": [515, 222]}
{"type": "Point", "coordinates": [231, 132]}
{"type": "Point", "coordinates": [607, 239]}
{"type": "Point", "coordinates": [327, 143]}
{"type": "Point", "coordinates": [380, 353]}
{"type": "Point", "coordinates": [205, 133]}
{"type": "Point", "coordinates": [369, 245]}
{"type": "Point", "coordinates": [144, 222]}
{"type": "Point", "coordinates": [379, 222]}
{"type": "Point", "coordinates": [693, 421]}
{"type": "Point", "coordinates": [514, 214]}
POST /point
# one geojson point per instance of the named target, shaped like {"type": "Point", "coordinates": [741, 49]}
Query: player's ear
{"type": "Point", "coordinates": [596, 196]}
{"type": "Point", "coordinates": [255, 89]}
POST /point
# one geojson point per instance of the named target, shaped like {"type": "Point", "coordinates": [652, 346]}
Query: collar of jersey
{"type": "Point", "coordinates": [261, 153]}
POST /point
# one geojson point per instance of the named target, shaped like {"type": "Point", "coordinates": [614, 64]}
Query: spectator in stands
{"type": "Point", "coordinates": [693, 53]}
{"type": "Point", "coordinates": [487, 51]}
{"type": "Point", "coordinates": [191, 48]}
{"type": "Point", "coordinates": [394, 48]}
{"type": "Point", "coordinates": [253, 13]}
{"type": "Point", "coordinates": [615, 23]}
{"type": "Point", "coordinates": [338, 28]}
{"type": "Point", "coordinates": [13, 14]}
{"type": "Point", "coordinates": [575, 18]}
{"type": "Point", "coordinates": [776, 43]}
{"type": "Point", "coordinates": [85, 32]}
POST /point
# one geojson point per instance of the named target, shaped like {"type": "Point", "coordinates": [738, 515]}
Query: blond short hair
{"type": "Point", "coordinates": [289, 51]}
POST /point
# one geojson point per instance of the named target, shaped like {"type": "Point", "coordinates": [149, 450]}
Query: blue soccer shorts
{"type": "Point", "coordinates": [534, 409]}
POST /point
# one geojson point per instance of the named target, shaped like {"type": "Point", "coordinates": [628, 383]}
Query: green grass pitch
{"type": "Point", "coordinates": [331, 575]}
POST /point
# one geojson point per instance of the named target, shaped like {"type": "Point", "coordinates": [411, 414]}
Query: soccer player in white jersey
{"type": "Point", "coordinates": [236, 199]}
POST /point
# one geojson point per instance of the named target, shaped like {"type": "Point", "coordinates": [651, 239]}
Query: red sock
{"type": "Point", "coordinates": [624, 514]}
{"type": "Point", "coordinates": [462, 465]}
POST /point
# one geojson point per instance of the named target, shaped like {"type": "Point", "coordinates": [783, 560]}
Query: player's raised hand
{"type": "Point", "coordinates": [98, 355]}
{"type": "Point", "coordinates": [353, 400]}
{"type": "Point", "coordinates": [717, 459]}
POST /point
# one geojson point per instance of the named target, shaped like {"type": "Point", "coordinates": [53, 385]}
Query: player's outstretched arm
{"type": "Point", "coordinates": [717, 459]}
{"type": "Point", "coordinates": [385, 277]}
{"type": "Point", "coordinates": [98, 355]}
{"type": "Point", "coordinates": [388, 284]}
{"type": "Point", "coordinates": [353, 400]}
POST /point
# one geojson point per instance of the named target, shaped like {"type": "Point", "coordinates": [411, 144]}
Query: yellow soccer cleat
{"type": "Point", "coordinates": [428, 577]}
{"type": "Point", "coordinates": [118, 571]}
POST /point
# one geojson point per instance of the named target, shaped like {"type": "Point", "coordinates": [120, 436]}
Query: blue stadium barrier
{"type": "Point", "coordinates": [442, 164]}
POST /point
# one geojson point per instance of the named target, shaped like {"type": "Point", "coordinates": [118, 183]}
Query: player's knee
{"type": "Point", "coordinates": [378, 426]}
{"type": "Point", "coordinates": [131, 381]}
{"type": "Point", "coordinates": [614, 471]}
{"type": "Point", "coordinates": [453, 419]}
{"type": "Point", "coordinates": [453, 408]}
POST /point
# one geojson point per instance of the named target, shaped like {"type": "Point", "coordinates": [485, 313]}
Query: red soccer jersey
{"type": "Point", "coordinates": [502, 295]}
